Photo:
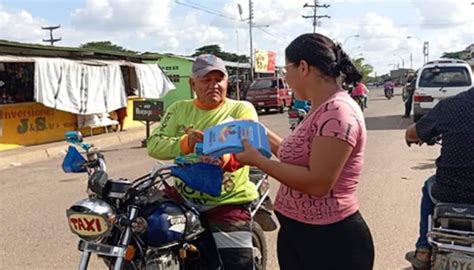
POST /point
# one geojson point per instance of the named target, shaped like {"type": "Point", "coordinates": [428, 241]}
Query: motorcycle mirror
{"type": "Point", "coordinates": [73, 137]}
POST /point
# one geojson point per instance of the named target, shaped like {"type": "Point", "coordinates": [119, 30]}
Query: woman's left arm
{"type": "Point", "coordinates": [327, 159]}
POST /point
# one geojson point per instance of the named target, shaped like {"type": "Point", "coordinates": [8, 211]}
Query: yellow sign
{"type": "Point", "coordinates": [32, 123]}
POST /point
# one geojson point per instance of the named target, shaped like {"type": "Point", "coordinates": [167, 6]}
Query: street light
{"type": "Point", "coordinates": [403, 61]}
{"type": "Point", "coordinates": [415, 37]}
{"type": "Point", "coordinates": [425, 48]}
{"type": "Point", "coordinates": [355, 48]}
{"type": "Point", "coordinates": [347, 38]}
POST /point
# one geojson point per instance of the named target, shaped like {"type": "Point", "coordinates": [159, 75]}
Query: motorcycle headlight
{"type": "Point", "coordinates": [91, 219]}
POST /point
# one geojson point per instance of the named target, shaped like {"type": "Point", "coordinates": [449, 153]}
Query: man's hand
{"type": "Point", "coordinates": [196, 136]}
{"type": "Point", "coordinates": [411, 136]}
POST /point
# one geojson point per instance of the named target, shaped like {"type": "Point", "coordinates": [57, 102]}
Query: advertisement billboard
{"type": "Point", "coordinates": [265, 61]}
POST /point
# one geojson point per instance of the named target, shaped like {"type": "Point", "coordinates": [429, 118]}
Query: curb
{"type": "Point", "coordinates": [31, 154]}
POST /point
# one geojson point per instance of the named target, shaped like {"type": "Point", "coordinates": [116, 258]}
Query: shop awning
{"type": "Point", "coordinates": [89, 86]}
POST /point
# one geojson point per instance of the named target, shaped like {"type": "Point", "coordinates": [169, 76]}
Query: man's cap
{"type": "Point", "coordinates": [206, 63]}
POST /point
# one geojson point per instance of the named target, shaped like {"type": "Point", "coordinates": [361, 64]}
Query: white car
{"type": "Point", "coordinates": [438, 80]}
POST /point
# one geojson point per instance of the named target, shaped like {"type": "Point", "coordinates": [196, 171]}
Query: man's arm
{"type": "Point", "coordinates": [164, 142]}
{"type": "Point", "coordinates": [427, 127]}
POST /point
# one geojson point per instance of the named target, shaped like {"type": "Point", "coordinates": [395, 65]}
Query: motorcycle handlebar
{"type": "Point", "coordinates": [433, 141]}
{"type": "Point", "coordinates": [145, 182]}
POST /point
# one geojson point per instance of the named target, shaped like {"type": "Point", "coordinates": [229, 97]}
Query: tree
{"type": "Point", "coordinates": [365, 69]}
{"type": "Point", "coordinates": [452, 55]}
{"type": "Point", "coordinates": [105, 46]}
{"type": "Point", "coordinates": [217, 51]}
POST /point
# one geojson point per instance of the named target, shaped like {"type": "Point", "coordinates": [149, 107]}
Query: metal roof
{"type": "Point", "coordinates": [27, 49]}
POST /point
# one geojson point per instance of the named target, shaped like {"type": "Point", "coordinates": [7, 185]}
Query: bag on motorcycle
{"type": "Point", "coordinates": [202, 177]}
{"type": "Point", "coordinates": [73, 161]}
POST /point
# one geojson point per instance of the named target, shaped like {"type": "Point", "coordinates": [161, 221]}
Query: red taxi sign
{"type": "Point", "coordinates": [87, 225]}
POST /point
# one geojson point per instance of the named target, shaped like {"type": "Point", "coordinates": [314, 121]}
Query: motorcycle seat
{"type": "Point", "coordinates": [454, 211]}
{"type": "Point", "coordinates": [454, 216]}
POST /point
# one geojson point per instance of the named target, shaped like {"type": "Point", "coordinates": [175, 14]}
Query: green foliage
{"type": "Point", "coordinates": [217, 51]}
{"type": "Point", "coordinates": [105, 46]}
{"type": "Point", "coordinates": [452, 55]}
{"type": "Point", "coordinates": [366, 69]}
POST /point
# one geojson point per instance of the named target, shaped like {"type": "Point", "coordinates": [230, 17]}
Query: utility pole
{"type": "Point", "coordinates": [251, 25]}
{"type": "Point", "coordinates": [51, 39]}
{"type": "Point", "coordinates": [251, 42]}
{"type": "Point", "coordinates": [426, 51]}
{"type": "Point", "coordinates": [315, 17]}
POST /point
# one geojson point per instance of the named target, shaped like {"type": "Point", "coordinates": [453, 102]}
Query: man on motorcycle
{"type": "Point", "coordinates": [452, 120]}
{"type": "Point", "coordinates": [182, 128]}
{"type": "Point", "coordinates": [388, 88]}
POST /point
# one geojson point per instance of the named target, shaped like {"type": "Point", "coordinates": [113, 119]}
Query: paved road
{"type": "Point", "coordinates": [33, 198]}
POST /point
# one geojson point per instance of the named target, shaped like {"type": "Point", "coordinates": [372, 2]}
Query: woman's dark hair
{"type": "Point", "coordinates": [321, 52]}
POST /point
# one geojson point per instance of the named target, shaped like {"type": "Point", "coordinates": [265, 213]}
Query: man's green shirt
{"type": "Point", "coordinates": [164, 144]}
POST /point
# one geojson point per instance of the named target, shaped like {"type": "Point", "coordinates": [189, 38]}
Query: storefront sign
{"type": "Point", "coordinates": [147, 110]}
{"type": "Point", "coordinates": [32, 123]}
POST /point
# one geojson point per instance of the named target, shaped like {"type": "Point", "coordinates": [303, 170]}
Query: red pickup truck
{"type": "Point", "coordinates": [269, 93]}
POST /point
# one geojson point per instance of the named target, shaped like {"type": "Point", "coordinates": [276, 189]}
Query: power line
{"type": "Point", "coordinates": [273, 35]}
{"type": "Point", "coordinates": [315, 17]}
{"type": "Point", "coordinates": [206, 9]}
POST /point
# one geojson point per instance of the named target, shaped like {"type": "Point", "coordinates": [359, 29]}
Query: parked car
{"type": "Point", "coordinates": [438, 80]}
{"type": "Point", "coordinates": [270, 93]}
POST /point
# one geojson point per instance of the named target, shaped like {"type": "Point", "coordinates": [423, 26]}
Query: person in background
{"type": "Point", "coordinates": [409, 90]}
{"type": "Point", "coordinates": [320, 164]}
{"type": "Point", "coordinates": [121, 115]}
{"type": "Point", "coordinates": [360, 94]}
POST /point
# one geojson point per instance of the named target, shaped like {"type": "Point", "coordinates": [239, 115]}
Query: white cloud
{"type": "Point", "coordinates": [123, 15]}
{"type": "Point", "coordinates": [446, 13]}
{"type": "Point", "coordinates": [21, 26]}
{"type": "Point", "coordinates": [150, 25]}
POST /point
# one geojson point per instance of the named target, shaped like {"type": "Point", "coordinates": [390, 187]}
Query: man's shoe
{"type": "Point", "coordinates": [406, 116]}
{"type": "Point", "coordinates": [417, 263]}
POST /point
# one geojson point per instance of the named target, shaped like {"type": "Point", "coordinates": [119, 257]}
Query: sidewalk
{"type": "Point", "coordinates": [30, 154]}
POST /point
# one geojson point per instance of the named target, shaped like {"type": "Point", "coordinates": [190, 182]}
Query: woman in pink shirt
{"type": "Point", "coordinates": [320, 164]}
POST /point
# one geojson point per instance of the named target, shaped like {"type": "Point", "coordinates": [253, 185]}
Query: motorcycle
{"type": "Point", "coordinates": [451, 234]}
{"type": "Point", "coordinates": [388, 92]}
{"type": "Point", "coordinates": [360, 100]}
{"type": "Point", "coordinates": [136, 225]}
{"type": "Point", "coordinates": [295, 116]}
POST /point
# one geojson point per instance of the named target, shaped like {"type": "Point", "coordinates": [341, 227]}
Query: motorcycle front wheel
{"type": "Point", "coordinates": [259, 243]}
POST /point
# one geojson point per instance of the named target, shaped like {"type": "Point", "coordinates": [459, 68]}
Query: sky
{"type": "Point", "coordinates": [181, 26]}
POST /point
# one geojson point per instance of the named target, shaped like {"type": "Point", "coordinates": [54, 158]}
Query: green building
{"type": "Point", "coordinates": [178, 70]}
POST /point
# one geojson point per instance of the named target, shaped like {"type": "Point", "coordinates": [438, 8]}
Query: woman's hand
{"type": "Point", "coordinates": [250, 155]}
